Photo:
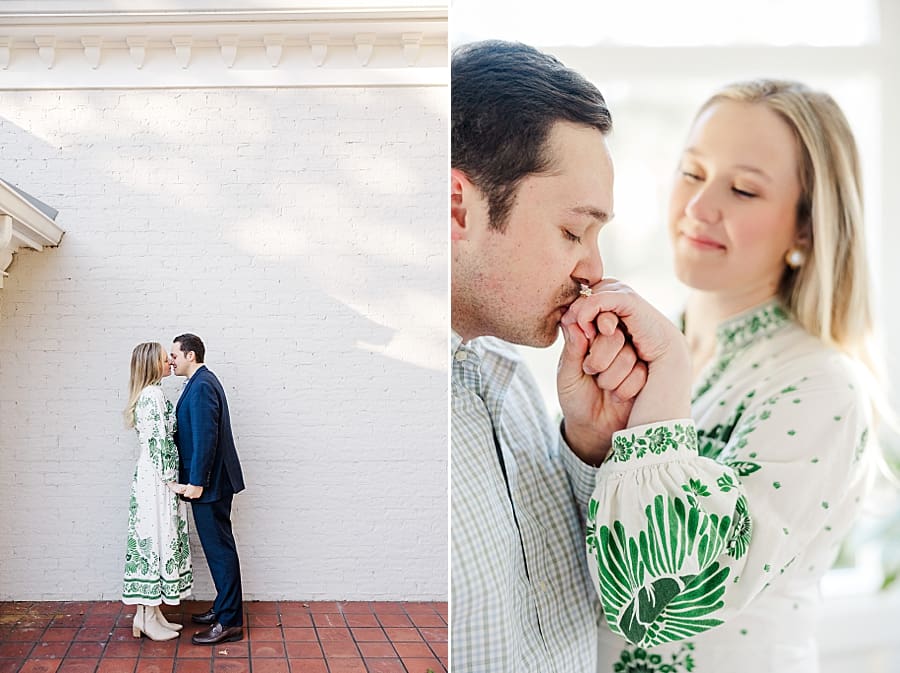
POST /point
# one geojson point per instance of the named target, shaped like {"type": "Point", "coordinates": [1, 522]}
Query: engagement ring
{"type": "Point", "coordinates": [585, 290]}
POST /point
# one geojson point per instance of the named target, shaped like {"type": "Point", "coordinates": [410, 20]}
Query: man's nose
{"type": "Point", "coordinates": [590, 269]}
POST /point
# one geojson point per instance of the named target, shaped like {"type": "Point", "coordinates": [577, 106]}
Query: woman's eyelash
{"type": "Point", "coordinates": [572, 237]}
{"type": "Point", "coordinates": [740, 192]}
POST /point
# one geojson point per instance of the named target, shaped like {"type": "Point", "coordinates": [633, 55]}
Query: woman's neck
{"type": "Point", "coordinates": [704, 312]}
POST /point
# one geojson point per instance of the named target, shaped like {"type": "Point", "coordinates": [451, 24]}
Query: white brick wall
{"type": "Point", "coordinates": [301, 233]}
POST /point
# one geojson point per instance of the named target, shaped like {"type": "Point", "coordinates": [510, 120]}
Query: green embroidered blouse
{"type": "Point", "coordinates": [706, 538]}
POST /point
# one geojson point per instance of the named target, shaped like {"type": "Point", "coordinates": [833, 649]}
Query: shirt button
{"type": "Point", "coordinates": [461, 356]}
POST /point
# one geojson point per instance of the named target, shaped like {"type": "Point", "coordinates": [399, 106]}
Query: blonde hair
{"type": "Point", "coordinates": [146, 369]}
{"type": "Point", "coordinates": [830, 295]}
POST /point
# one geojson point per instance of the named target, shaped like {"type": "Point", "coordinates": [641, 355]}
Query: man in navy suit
{"type": "Point", "coordinates": [212, 472]}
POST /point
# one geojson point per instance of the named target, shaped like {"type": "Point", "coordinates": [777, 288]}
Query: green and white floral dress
{"type": "Point", "coordinates": [158, 558]}
{"type": "Point", "coordinates": [707, 538]}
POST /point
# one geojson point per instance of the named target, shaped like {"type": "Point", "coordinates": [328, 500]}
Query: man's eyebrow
{"type": "Point", "coordinates": [590, 211]}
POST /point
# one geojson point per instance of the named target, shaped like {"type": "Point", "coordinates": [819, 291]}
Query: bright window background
{"type": "Point", "coordinates": [655, 62]}
{"type": "Point", "coordinates": [657, 23]}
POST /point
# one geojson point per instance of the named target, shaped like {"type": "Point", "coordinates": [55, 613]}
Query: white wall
{"type": "Point", "coordinates": [300, 232]}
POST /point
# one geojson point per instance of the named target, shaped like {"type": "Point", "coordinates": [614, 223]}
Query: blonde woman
{"type": "Point", "coordinates": [708, 536]}
{"type": "Point", "coordinates": [158, 558]}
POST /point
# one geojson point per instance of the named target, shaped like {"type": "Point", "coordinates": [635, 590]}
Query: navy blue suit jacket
{"type": "Point", "coordinates": [204, 440]}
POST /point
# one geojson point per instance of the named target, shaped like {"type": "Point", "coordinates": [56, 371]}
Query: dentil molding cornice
{"type": "Point", "coordinates": [162, 44]}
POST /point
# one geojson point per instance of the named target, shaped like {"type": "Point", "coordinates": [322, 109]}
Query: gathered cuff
{"type": "Point", "coordinates": [653, 444]}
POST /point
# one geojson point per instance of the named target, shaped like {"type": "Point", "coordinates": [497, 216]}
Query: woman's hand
{"type": "Point", "coordinates": [175, 487]}
{"type": "Point", "coordinates": [665, 394]}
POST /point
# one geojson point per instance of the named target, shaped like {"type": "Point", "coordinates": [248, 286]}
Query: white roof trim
{"type": "Point", "coordinates": [23, 225]}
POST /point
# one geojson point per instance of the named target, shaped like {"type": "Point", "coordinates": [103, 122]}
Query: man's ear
{"type": "Point", "coordinates": [460, 188]}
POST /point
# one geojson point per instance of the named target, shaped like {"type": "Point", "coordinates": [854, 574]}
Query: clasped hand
{"type": "Point", "coordinates": [623, 364]}
{"type": "Point", "coordinates": [187, 490]}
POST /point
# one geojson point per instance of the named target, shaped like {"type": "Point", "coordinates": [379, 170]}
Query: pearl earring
{"type": "Point", "coordinates": [795, 258]}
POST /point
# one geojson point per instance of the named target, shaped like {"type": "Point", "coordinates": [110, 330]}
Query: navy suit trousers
{"type": "Point", "coordinates": [213, 521]}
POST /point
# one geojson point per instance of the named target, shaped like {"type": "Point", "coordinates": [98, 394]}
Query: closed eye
{"type": "Point", "coordinates": [744, 193]}
{"type": "Point", "coordinates": [572, 237]}
{"type": "Point", "coordinates": [691, 176]}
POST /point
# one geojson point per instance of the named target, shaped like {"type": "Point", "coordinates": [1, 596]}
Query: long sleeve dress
{"type": "Point", "coordinates": [157, 558]}
{"type": "Point", "coordinates": [707, 538]}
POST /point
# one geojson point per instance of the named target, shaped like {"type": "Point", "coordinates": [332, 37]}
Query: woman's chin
{"type": "Point", "coordinates": [702, 280]}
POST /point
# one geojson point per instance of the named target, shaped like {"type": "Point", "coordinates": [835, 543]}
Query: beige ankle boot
{"type": "Point", "coordinates": [161, 618]}
{"type": "Point", "coordinates": [145, 622]}
{"type": "Point", "coordinates": [137, 625]}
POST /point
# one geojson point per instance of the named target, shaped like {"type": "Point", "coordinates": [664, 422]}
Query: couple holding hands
{"type": "Point", "coordinates": [187, 453]}
{"type": "Point", "coordinates": [681, 515]}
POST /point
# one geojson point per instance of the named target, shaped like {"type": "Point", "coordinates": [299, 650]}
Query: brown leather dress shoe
{"type": "Point", "coordinates": [208, 617]}
{"type": "Point", "coordinates": [218, 634]}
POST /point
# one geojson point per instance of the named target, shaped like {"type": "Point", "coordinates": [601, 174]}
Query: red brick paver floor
{"type": "Point", "coordinates": [282, 637]}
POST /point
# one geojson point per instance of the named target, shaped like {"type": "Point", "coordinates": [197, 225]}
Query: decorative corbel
{"type": "Point", "coordinates": [228, 47]}
{"type": "Point", "coordinates": [365, 42]}
{"type": "Point", "coordinates": [319, 44]}
{"type": "Point", "coordinates": [182, 44]}
{"type": "Point", "coordinates": [46, 45]}
{"type": "Point", "coordinates": [411, 44]}
{"type": "Point", "coordinates": [274, 48]}
{"type": "Point", "coordinates": [92, 45]}
{"type": "Point", "coordinates": [137, 47]}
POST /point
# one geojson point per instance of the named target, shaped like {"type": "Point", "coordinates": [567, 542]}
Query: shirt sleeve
{"type": "Point", "coordinates": [582, 477]}
{"type": "Point", "coordinates": [679, 543]}
{"type": "Point", "coordinates": [151, 429]}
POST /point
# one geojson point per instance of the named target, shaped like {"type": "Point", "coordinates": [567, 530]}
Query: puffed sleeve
{"type": "Point", "coordinates": [151, 431]}
{"type": "Point", "coordinates": [678, 543]}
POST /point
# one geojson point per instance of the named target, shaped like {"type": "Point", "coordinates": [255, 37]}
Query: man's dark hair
{"type": "Point", "coordinates": [504, 99]}
{"type": "Point", "coordinates": [191, 342]}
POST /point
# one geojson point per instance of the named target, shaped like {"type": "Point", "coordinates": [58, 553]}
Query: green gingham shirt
{"type": "Point", "coordinates": [521, 595]}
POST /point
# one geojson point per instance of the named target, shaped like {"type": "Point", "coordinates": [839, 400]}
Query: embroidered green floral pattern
{"type": "Point", "coordinates": [742, 467]}
{"type": "Point", "coordinates": [157, 552]}
{"type": "Point", "coordinates": [861, 445]}
{"type": "Point", "coordinates": [638, 660]}
{"type": "Point", "coordinates": [647, 595]}
{"type": "Point", "coordinates": [744, 330]}
{"type": "Point", "coordinates": [656, 439]}
{"type": "Point", "coordinates": [737, 334]}
{"type": "Point", "coordinates": [180, 548]}
{"type": "Point", "coordinates": [163, 452]}
{"type": "Point", "coordinates": [743, 530]}
{"type": "Point", "coordinates": [695, 488]}
{"type": "Point", "coordinates": [725, 483]}
{"type": "Point", "coordinates": [710, 443]}
{"type": "Point", "coordinates": [139, 554]}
